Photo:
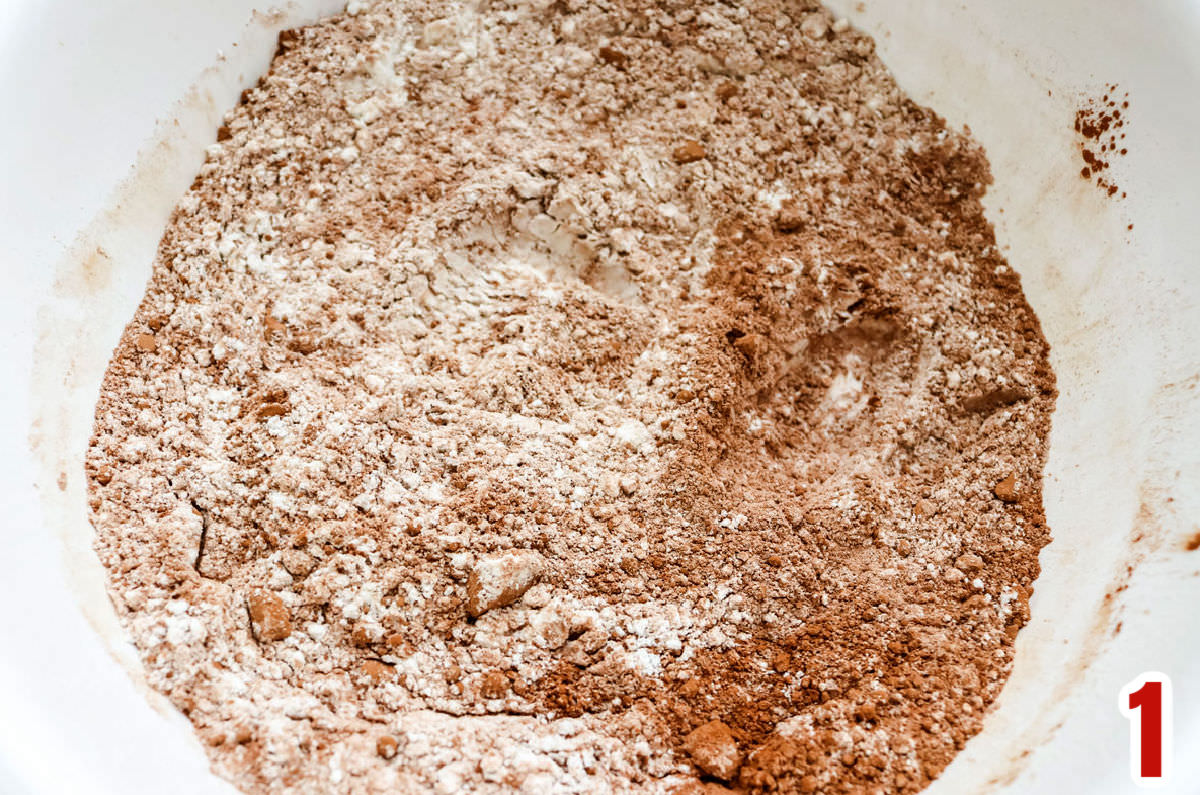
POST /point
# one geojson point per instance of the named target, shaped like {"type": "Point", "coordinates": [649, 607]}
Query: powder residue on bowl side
{"type": "Point", "coordinates": [1100, 124]}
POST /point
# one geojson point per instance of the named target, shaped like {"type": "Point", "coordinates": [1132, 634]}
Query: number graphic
{"type": "Point", "coordinates": [1146, 703]}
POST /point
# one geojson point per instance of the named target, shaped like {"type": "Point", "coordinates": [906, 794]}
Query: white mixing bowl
{"type": "Point", "coordinates": [108, 107]}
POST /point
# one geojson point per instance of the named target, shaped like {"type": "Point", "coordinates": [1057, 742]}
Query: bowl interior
{"type": "Point", "coordinates": [1118, 304]}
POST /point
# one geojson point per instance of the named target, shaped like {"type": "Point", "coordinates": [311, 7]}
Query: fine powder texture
{"type": "Point", "coordinates": [566, 397]}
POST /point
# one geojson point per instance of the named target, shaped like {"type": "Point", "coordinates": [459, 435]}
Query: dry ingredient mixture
{"type": "Point", "coordinates": [578, 397]}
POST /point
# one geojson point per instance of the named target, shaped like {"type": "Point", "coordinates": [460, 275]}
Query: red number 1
{"type": "Point", "coordinates": [1146, 702]}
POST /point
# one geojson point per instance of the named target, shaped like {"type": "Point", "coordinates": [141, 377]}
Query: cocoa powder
{"type": "Point", "coordinates": [1100, 123]}
{"type": "Point", "coordinates": [578, 397]}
